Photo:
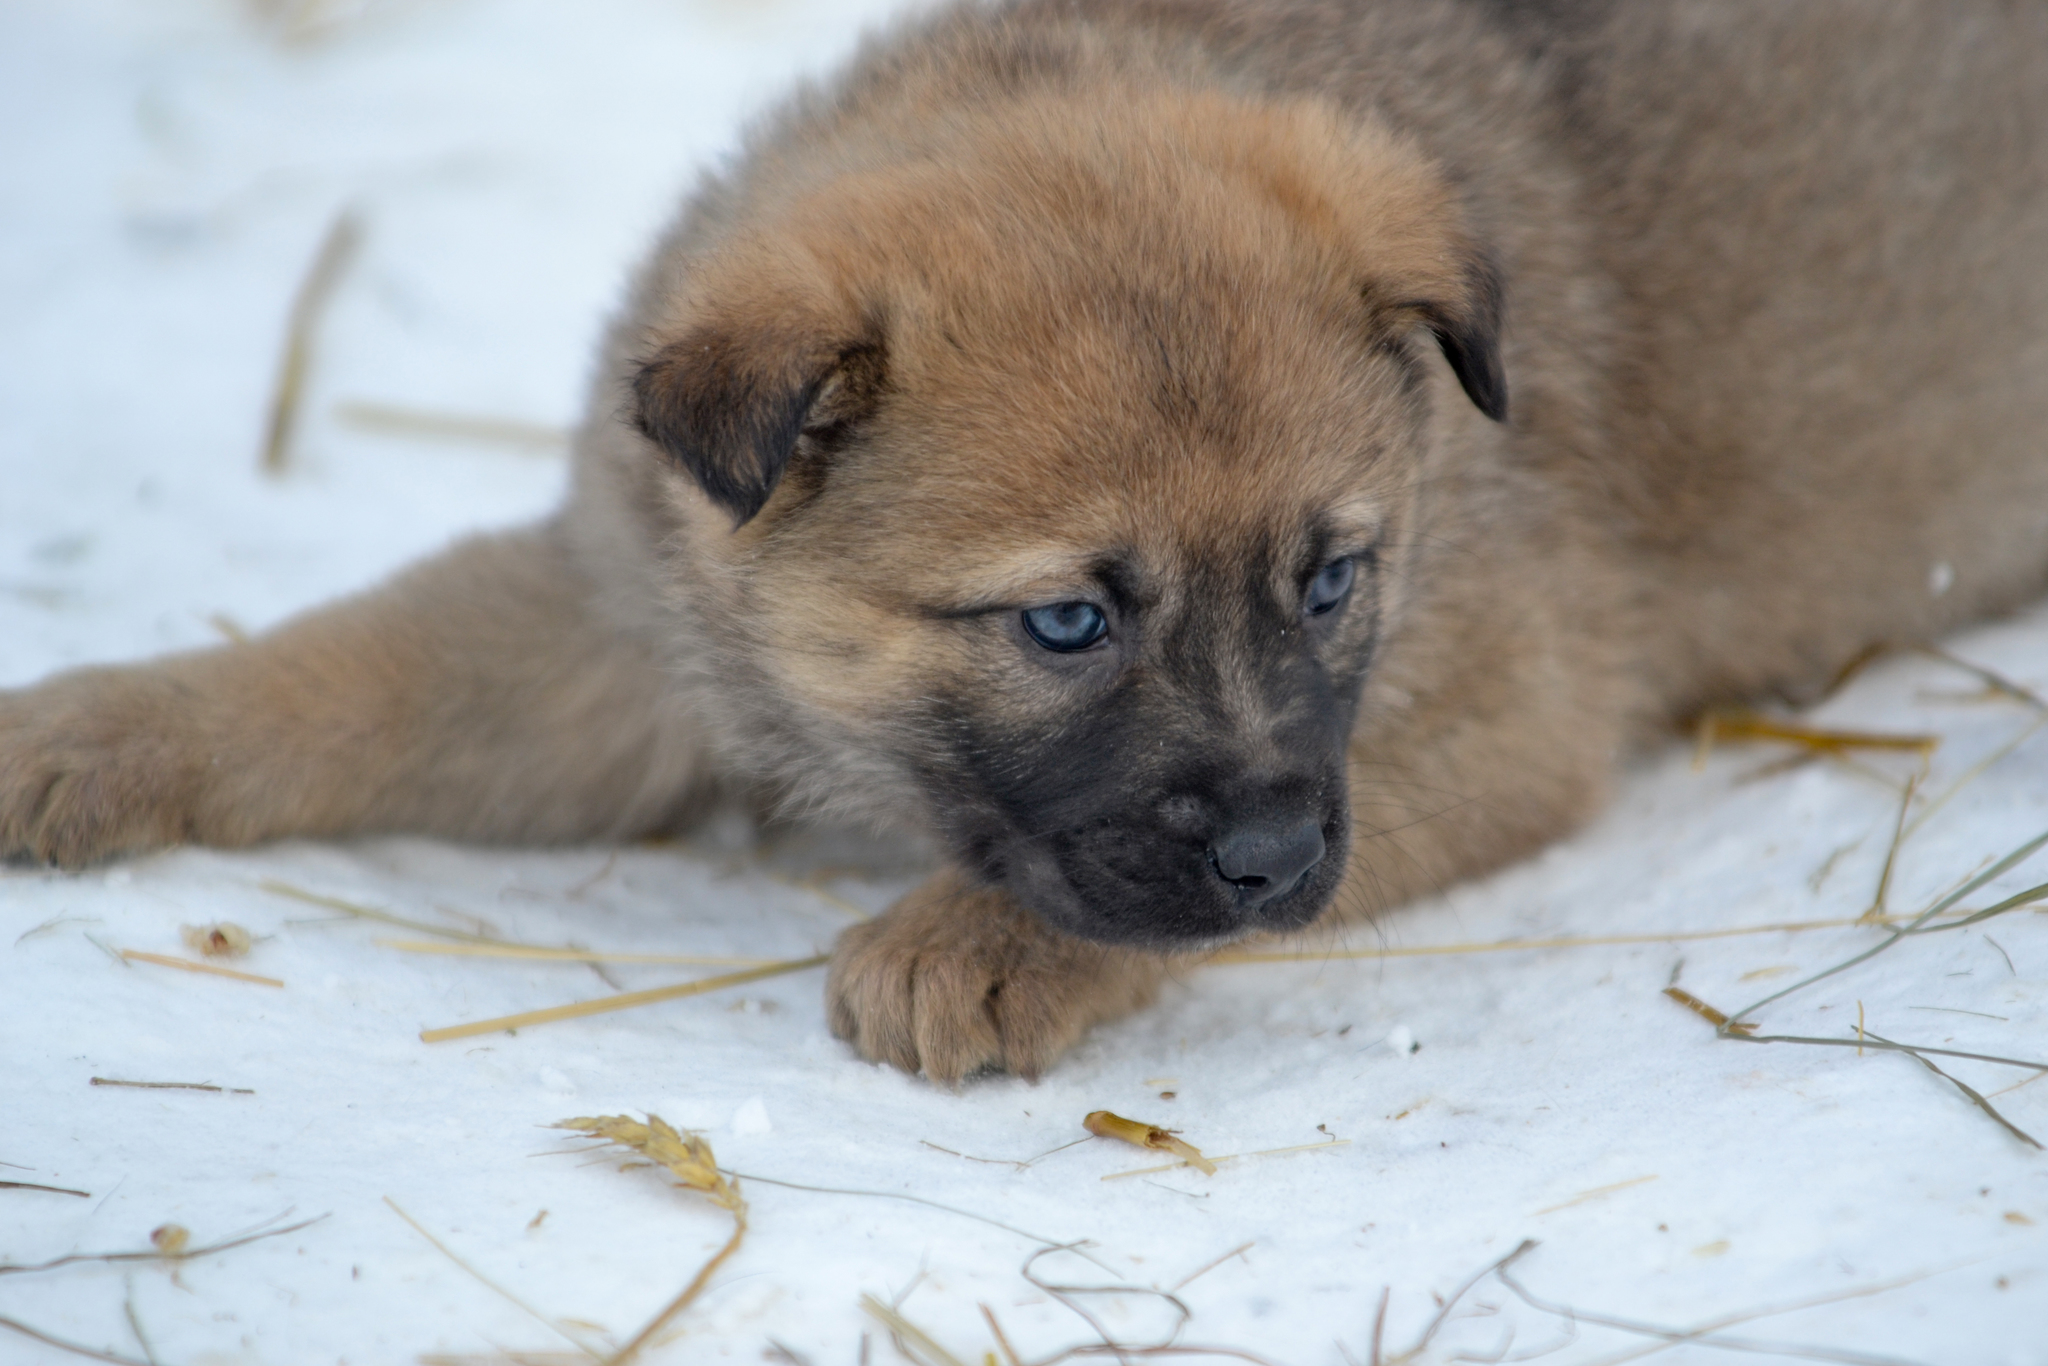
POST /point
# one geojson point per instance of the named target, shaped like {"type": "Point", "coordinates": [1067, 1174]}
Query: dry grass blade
{"type": "Point", "coordinates": [1976, 1097]}
{"type": "Point", "coordinates": [1974, 772]}
{"type": "Point", "coordinates": [1705, 1337]}
{"type": "Point", "coordinates": [1070, 1296]}
{"type": "Point", "coordinates": [1719, 725]}
{"type": "Point", "coordinates": [350, 908]}
{"type": "Point", "coordinates": [1878, 1045]}
{"type": "Point", "coordinates": [1236, 957]}
{"type": "Point", "coordinates": [164, 960]}
{"type": "Point", "coordinates": [908, 1198]}
{"type": "Point", "coordinates": [76, 1349]}
{"type": "Point", "coordinates": [156, 1254]}
{"type": "Point", "coordinates": [1447, 1307]}
{"type": "Point", "coordinates": [32, 1186]}
{"type": "Point", "coordinates": [1992, 681]}
{"type": "Point", "coordinates": [173, 1086]}
{"type": "Point", "coordinates": [910, 1339]}
{"type": "Point", "coordinates": [1594, 1194]}
{"type": "Point", "coordinates": [623, 1001]}
{"type": "Point", "coordinates": [1104, 1124]}
{"type": "Point", "coordinates": [539, 953]}
{"type": "Point", "coordinates": [1234, 1157]}
{"type": "Point", "coordinates": [1002, 1338]}
{"type": "Point", "coordinates": [392, 420]}
{"type": "Point", "coordinates": [344, 235]}
{"type": "Point", "coordinates": [1918, 922]}
{"type": "Point", "coordinates": [687, 1157]}
{"type": "Point", "coordinates": [491, 1285]}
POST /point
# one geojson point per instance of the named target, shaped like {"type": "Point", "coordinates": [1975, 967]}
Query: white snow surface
{"type": "Point", "coordinates": [170, 166]}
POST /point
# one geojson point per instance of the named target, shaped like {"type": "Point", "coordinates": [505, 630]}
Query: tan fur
{"type": "Point", "coordinates": [1160, 277]}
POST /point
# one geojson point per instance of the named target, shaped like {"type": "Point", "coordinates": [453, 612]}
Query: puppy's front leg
{"type": "Point", "coordinates": [956, 978]}
{"type": "Point", "coordinates": [476, 696]}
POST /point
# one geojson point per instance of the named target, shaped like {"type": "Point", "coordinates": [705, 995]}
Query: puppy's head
{"type": "Point", "coordinates": [1066, 477]}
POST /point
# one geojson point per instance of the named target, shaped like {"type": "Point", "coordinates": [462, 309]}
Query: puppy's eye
{"type": "Point", "coordinates": [1066, 626]}
{"type": "Point", "coordinates": [1329, 586]}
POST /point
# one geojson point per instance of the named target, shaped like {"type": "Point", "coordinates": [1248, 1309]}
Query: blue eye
{"type": "Point", "coordinates": [1329, 586]}
{"type": "Point", "coordinates": [1066, 626]}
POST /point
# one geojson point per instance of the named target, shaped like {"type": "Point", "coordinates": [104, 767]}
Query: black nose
{"type": "Point", "coordinates": [1264, 859]}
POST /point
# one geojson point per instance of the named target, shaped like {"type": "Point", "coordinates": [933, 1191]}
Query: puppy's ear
{"type": "Point", "coordinates": [1468, 330]}
{"type": "Point", "coordinates": [729, 405]}
{"type": "Point", "coordinates": [1396, 219]}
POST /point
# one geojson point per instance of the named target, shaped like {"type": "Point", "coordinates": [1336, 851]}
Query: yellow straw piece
{"type": "Point", "coordinates": [542, 954]}
{"type": "Point", "coordinates": [624, 1001]}
{"type": "Point", "coordinates": [165, 960]}
{"type": "Point", "coordinates": [1597, 1192]}
{"type": "Point", "coordinates": [1137, 1133]}
{"type": "Point", "coordinates": [1585, 942]}
{"type": "Point", "coordinates": [1233, 1157]}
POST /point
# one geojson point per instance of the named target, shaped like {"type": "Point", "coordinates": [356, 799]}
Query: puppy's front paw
{"type": "Point", "coordinates": [956, 978]}
{"type": "Point", "coordinates": [93, 765]}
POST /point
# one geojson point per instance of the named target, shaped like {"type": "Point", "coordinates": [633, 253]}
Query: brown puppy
{"type": "Point", "coordinates": [1083, 435]}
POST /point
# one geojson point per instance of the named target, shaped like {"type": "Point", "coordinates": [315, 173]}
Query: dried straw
{"type": "Point", "coordinates": [392, 420]}
{"type": "Point", "coordinates": [624, 1001]}
{"type": "Point", "coordinates": [344, 235]}
{"type": "Point", "coordinates": [1232, 1157]}
{"type": "Point", "coordinates": [189, 965]}
{"type": "Point", "coordinates": [539, 953]}
{"type": "Point", "coordinates": [551, 1325]}
{"type": "Point", "coordinates": [1241, 956]}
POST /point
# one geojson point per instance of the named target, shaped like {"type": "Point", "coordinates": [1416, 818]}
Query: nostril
{"type": "Point", "coordinates": [1265, 858]}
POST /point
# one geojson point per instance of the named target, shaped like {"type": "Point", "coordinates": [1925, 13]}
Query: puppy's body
{"type": "Point", "coordinates": [1164, 310]}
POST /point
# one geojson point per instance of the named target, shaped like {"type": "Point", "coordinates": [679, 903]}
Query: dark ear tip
{"type": "Point", "coordinates": [1475, 359]}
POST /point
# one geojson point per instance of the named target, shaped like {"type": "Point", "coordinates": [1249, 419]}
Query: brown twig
{"type": "Point", "coordinates": [1067, 1296]}
{"type": "Point", "coordinates": [1193, 1276]}
{"type": "Point", "coordinates": [32, 1186]}
{"type": "Point", "coordinates": [154, 1255]}
{"type": "Point", "coordinates": [174, 1086]}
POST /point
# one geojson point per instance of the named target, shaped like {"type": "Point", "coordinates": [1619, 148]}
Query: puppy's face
{"type": "Point", "coordinates": [1075, 477]}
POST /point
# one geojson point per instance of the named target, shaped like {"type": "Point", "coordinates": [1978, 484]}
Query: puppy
{"type": "Point", "coordinates": [1206, 465]}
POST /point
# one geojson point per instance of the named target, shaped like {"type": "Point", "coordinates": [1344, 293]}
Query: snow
{"type": "Point", "coordinates": [171, 167]}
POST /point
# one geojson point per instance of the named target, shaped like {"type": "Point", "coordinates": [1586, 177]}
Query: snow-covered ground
{"type": "Point", "coordinates": [170, 167]}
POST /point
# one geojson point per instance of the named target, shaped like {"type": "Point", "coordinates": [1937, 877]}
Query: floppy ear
{"type": "Point", "coordinates": [1468, 330]}
{"type": "Point", "coordinates": [729, 405]}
